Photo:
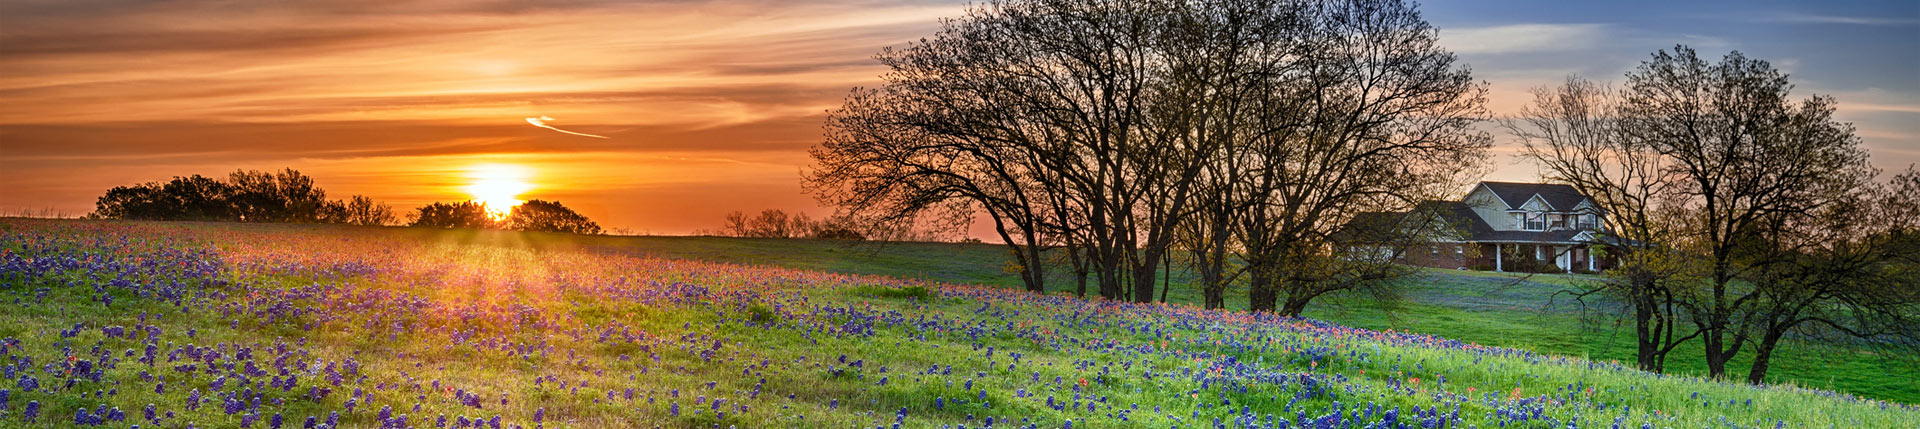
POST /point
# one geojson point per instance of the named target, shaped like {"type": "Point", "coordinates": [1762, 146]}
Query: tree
{"type": "Point", "coordinates": [1375, 117]}
{"type": "Point", "coordinates": [465, 214]}
{"type": "Point", "coordinates": [1094, 126]}
{"type": "Point", "coordinates": [549, 216]}
{"type": "Point", "coordinates": [139, 202]}
{"type": "Point", "coordinates": [1750, 159]}
{"type": "Point", "coordinates": [771, 223]}
{"type": "Point", "coordinates": [1572, 131]}
{"type": "Point", "coordinates": [362, 210]}
{"type": "Point", "coordinates": [1847, 270]}
{"type": "Point", "coordinates": [199, 197]}
{"type": "Point", "coordinates": [247, 196]}
{"type": "Point", "coordinates": [735, 225]}
{"type": "Point", "coordinates": [287, 196]}
{"type": "Point", "coordinates": [835, 228]}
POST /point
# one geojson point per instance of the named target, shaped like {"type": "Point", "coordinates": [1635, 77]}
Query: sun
{"type": "Point", "coordinates": [498, 186]}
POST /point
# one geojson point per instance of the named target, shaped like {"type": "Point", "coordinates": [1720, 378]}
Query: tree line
{"type": "Point", "coordinates": [245, 196]}
{"type": "Point", "coordinates": [1242, 139]}
{"type": "Point", "coordinates": [289, 196]}
{"type": "Point", "coordinates": [1111, 135]}
{"type": "Point", "coordinates": [776, 223]}
{"type": "Point", "coordinates": [533, 215]}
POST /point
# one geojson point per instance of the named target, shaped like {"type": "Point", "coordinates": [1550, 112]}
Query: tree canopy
{"type": "Point", "coordinates": [1116, 131]}
{"type": "Point", "coordinates": [1741, 215]}
{"type": "Point", "coordinates": [533, 215]}
{"type": "Point", "coordinates": [549, 216]}
{"type": "Point", "coordinates": [245, 196]}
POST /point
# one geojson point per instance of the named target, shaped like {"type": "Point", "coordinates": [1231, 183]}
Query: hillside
{"type": "Point", "coordinates": [220, 325]}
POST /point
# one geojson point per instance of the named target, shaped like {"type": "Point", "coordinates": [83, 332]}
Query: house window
{"type": "Point", "coordinates": [1589, 221]}
{"type": "Point", "coordinates": [1536, 221]}
{"type": "Point", "coordinates": [1559, 221]}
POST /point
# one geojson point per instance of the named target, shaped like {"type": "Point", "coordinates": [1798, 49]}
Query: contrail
{"type": "Point", "coordinates": [542, 123]}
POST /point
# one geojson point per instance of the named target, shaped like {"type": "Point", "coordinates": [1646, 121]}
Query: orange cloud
{"type": "Point", "coordinates": [705, 107]}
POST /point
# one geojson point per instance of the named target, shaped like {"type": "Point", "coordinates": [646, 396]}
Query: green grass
{"type": "Point", "coordinates": [779, 332]}
{"type": "Point", "coordinates": [1497, 309]}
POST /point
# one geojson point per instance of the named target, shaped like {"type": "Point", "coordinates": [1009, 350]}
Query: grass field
{"type": "Point", "coordinates": [214, 325]}
{"type": "Point", "coordinates": [1497, 309]}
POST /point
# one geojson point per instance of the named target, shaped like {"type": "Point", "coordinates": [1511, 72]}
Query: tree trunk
{"type": "Point", "coordinates": [1110, 286]}
{"type": "Point", "coordinates": [1296, 303]}
{"type": "Point", "coordinates": [1261, 294]}
{"type": "Point", "coordinates": [1716, 357]}
{"type": "Point", "coordinates": [1035, 272]}
{"type": "Point", "coordinates": [1079, 271]}
{"type": "Point", "coordinates": [1762, 354]}
{"type": "Point", "coordinates": [1143, 278]}
{"type": "Point", "coordinates": [1645, 333]}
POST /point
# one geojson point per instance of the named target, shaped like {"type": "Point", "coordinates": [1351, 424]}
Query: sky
{"type": "Point", "coordinates": [660, 117]}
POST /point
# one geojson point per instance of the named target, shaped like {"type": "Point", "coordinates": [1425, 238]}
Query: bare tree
{"type": "Point", "coordinates": [1379, 118]}
{"type": "Point", "coordinates": [1012, 103]}
{"type": "Point", "coordinates": [1848, 270]}
{"type": "Point", "coordinates": [1572, 132]}
{"type": "Point", "coordinates": [735, 224]}
{"type": "Point", "coordinates": [1750, 157]}
{"type": "Point", "coordinates": [362, 210]}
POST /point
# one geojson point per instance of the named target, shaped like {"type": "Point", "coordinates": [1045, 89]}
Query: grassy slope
{"type": "Point", "coordinates": [1498, 309]}
{"type": "Point", "coordinates": [1054, 339]}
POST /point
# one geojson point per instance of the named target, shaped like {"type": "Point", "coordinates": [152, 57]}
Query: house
{"type": "Point", "coordinates": [1498, 226]}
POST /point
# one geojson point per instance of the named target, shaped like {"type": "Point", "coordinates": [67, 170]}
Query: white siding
{"type": "Point", "coordinates": [1490, 209]}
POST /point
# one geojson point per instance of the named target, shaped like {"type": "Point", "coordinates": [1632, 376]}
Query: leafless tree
{"type": "Point", "coordinates": [1101, 128]}
{"type": "Point", "coordinates": [1376, 117]}
{"type": "Point", "coordinates": [1749, 158]}
{"type": "Point", "coordinates": [1848, 270]}
{"type": "Point", "coordinates": [1572, 132]}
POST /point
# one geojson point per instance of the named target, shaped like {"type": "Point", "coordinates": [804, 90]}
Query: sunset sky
{"type": "Point", "coordinates": [705, 107]}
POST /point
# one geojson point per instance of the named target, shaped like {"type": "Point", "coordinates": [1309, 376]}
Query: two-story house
{"type": "Point", "coordinates": [1506, 226]}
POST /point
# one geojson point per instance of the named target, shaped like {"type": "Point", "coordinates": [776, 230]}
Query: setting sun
{"type": "Point", "coordinates": [498, 186]}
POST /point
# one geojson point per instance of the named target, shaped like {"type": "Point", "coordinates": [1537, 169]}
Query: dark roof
{"type": "Point", "coordinates": [1561, 197]}
{"type": "Point", "coordinates": [1377, 226]}
{"type": "Point", "coordinates": [1369, 227]}
{"type": "Point", "coordinates": [1460, 216]}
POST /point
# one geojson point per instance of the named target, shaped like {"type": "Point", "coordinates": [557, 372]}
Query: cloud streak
{"type": "Point", "coordinates": [1522, 38]}
{"type": "Point", "coordinates": [364, 94]}
{"type": "Point", "coordinates": [1809, 18]}
{"type": "Point", "coordinates": [542, 123]}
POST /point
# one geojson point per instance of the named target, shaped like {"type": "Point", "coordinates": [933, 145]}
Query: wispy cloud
{"type": "Point", "coordinates": [1809, 18]}
{"type": "Point", "coordinates": [1522, 38]}
{"type": "Point", "coordinates": [542, 123]}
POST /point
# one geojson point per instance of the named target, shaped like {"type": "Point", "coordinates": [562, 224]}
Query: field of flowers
{"type": "Point", "coordinates": [164, 325]}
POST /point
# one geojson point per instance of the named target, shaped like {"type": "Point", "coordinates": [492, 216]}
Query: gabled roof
{"type": "Point", "coordinates": [1559, 197]}
{"type": "Point", "coordinates": [1379, 226]}
{"type": "Point", "coordinates": [1461, 222]}
{"type": "Point", "coordinates": [1460, 216]}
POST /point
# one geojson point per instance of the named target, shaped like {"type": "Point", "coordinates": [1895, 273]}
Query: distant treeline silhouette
{"type": "Point", "coordinates": [534, 215]}
{"type": "Point", "coordinates": [776, 223]}
{"type": "Point", "coordinates": [245, 196]}
{"type": "Point", "coordinates": [292, 197]}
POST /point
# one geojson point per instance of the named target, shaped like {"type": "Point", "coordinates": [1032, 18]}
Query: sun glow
{"type": "Point", "coordinates": [498, 186]}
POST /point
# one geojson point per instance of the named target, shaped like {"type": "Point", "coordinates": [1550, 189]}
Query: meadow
{"type": "Point", "coordinates": [168, 325]}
